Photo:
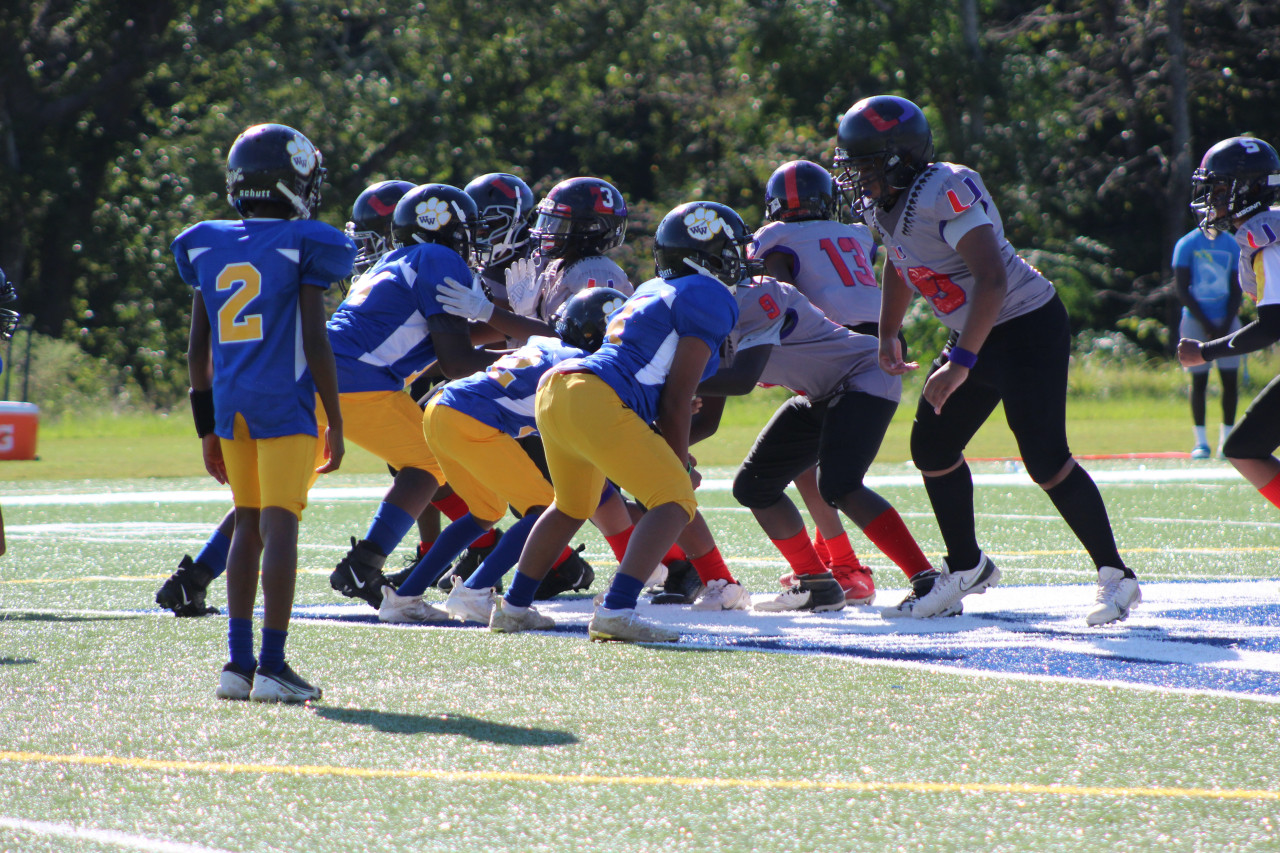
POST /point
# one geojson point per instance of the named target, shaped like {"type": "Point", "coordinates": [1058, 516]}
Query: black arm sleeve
{"type": "Point", "coordinates": [1260, 334]}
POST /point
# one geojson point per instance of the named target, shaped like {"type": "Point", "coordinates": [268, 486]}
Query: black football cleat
{"type": "Point", "coordinates": [572, 575]}
{"type": "Point", "coordinates": [359, 575]}
{"type": "Point", "coordinates": [184, 591]}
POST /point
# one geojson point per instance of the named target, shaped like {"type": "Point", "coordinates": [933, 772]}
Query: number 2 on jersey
{"type": "Point", "coordinates": [862, 273]}
{"type": "Point", "coordinates": [234, 326]}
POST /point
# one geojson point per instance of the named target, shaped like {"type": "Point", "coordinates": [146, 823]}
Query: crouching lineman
{"type": "Point", "coordinates": [597, 414]}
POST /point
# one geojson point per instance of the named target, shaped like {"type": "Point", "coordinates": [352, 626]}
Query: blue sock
{"type": "Point", "coordinates": [504, 555]}
{"type": "Point", "coordinates": [214, 553]}
{"type": "Point", "coordinates": [390, 524]}
{"type": "Point", "coordinates": [240, 643]}
{"type": "Point", "coordinates": [272, 659]}
{"type": "Point", "coordinates": [522, 589]}
{"type": "Point", "coordinates": [623, 592]}
{"type": "Point", "coordinates": [451, 542]}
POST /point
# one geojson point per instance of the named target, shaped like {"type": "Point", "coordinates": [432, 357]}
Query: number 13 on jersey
{"type": "Point", "coordinates": [862, 272]}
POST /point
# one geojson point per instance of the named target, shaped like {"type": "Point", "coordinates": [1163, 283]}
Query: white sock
{"type": "Point", "coordinates": [1202, 436]}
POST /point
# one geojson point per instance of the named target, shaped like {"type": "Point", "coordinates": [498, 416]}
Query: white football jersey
{"type": "Point", "coordinates": [1259, 241]}
{"type": "Point", "coordinates": [920, 234]}
{"type": "Point", "coordinates": [558, 281]}
{"type": "Point", "coordinates": [832, 262]}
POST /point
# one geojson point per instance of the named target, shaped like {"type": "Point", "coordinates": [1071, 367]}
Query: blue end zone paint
{"type": "Point", "coordinates": [1215, 637]}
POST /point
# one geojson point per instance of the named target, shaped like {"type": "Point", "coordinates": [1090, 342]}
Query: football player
{"type": "Point", "coordinates": [831, 263]}
{"type": "Point", "coordinates": [842, 408]}
{"type": "Point", "coordinates": [259, 300]}
{"type": "Point", "coordinates": [388, 328]}
{"type": "Point", "coordinates": [473, 425]}
{"type": "Point", "coordinates": [1235, 190]}
{"type": "Point", "coordinates": [1010, 342]}
{"type": "Point", "coordinates": [597, 417]}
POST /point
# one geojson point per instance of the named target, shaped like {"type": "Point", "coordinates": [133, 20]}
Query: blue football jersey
{"type": "Point", "coordinates": [640, 341]}
{"type": "Point", "coordinates": [502, 395]}
{"type": "Point", "coordinates": [249, 273]}
{"type": "Point", "coordinates": [379, 332]}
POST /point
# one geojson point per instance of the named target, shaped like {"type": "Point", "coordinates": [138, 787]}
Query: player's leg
{"type": "Point", "coordinates": [1230, 376]}
{"type": "Point", "coordinates": [244, 552]}
{"type": "Point", "coordinates": [184, 591]}
{"type": "Point", "coordinates": [1251, 446]}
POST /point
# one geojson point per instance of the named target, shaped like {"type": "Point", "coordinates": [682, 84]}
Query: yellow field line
{"type": "Point", "coordinates": [635, 781]}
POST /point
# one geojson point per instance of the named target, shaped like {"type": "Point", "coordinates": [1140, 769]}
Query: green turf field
{"type": "Point", "coordinates": [1013, 729]}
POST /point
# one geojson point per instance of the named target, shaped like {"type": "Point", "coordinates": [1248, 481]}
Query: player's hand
{"type": "Point", "coordinates": [695, 476]}
{"type": "Point", "coordinates": [939, 387]}
{"type": "Point", "coordinates": [696, 407]}
{"type": "Point", "coordinates": [460, 300]}
{"type": "Point", "coordinates": [1189, 354]}
{"type": "Point", "coordinates": [522, 286]}
{"type": "Point", "coordinates": [891, 358]}
{"type": "Point", "coordinates": [211, 449]}
{"type": "Point", "coordinates": [334, 450]}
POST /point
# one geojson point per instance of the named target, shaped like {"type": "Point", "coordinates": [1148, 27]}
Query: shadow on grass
{"type": "Point", "coordinates": [446, 724]}
{"type": "Point", "coordinates": [11, 616]}
{"type": "Point", "coordinates": [17, 661]}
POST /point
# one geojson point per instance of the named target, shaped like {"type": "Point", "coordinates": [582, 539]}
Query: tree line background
{"type": "Point", "coordinates": [1085, 118]}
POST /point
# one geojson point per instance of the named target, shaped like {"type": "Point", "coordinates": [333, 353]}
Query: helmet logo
{"type": "Point", "coordinates": [302, 155]}
{"type": "Point", "coordinates": [433, 214]}
{"type": "Point", "coordinates": [879, 122]}
{"type": "Point", "coordinates": [380, 207]}
{"type": "Point", "coordinates": [704, 224]}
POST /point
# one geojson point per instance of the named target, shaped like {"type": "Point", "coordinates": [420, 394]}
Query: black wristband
{"type": "Point", "coordinates": [202, 410]}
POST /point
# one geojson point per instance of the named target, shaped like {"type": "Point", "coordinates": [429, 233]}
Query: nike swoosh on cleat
{"type": "Point", "coordinates": [359, 583]}
{"type": "Point", "coordinates": [185, 599]}
{"type": "Point", "coordinates": [979, 579]}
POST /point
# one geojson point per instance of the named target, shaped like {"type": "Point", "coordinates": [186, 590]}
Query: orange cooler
{"type": "Point", "coordinates": [18, 425]}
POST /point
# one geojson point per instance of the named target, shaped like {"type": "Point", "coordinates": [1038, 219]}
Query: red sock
{"type": "Point", "coordinates": [800, 555]}
{"type": "Point", "coordinates": [564, 555]}
{"type": "Point", "coordinates": [840, 551]}
{"type": "Point", "coordinates": [1271, 491]}
{"type": "Point", "coordinates": [618, 542]}
{"type": "Point", "coordinates": [676, 553]}
{"type": "Point", "coordinates": [423, 547]}
{"type": "Point", "coordinates": [711, 566]}
{"type": "Point", "coordinates": [888, 533]}
{"type": "Point", "coordinates": [484, 540]}
{"type": "Point", "coordinates": [820, 545]}
{"type": "Point", "coordinates": [453, 507]}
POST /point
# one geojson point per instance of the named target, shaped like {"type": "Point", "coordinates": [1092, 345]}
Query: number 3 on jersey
{"type": "Point", "coordinates": [245, 283]}
{"type": "Point", "coordinates": [862, 272]}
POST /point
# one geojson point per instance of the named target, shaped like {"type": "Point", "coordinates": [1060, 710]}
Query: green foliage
{"type": "Point", "coordinates": [66, 382]}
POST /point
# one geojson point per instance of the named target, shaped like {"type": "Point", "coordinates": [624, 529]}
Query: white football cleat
{"type": "Point", "coordinates": [1116, 596]}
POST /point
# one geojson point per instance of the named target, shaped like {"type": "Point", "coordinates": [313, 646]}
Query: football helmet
{"type": "Point", "coordinates": [883, 140]}
{"type": "Point", "coordinates": [580, 216]}
{"type": "Point", "coordinates": [705, 237]}
{"type": "Point", "coordinates": [583, 318]}
{"type": "Point", "coordinates": [8, 317]}
{"type": "Point", "coordinates": [436, 213]}
{"type": "Point", "coordinates": [506, 205]}
{"type": "Point", "coordinates": [272, 162]}
{"type": "Point", "coordinates": [799, 190]}
{"type": "Point", "coordinates": [1237, 177]}
{"type": "Point", "coordinates": [370, 225]}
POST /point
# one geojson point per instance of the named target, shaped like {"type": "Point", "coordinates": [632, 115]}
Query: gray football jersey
{"type": "Point", "coordinates": [558, 281]}
{"type": "Point", "coordinates": [1258, 233]}
{"type": "Point", "coordinates": [913, 233]}
{"type": "Point", "coordinates": [812, 355]}
{"type": "Point", "coordinates": [833, 265]}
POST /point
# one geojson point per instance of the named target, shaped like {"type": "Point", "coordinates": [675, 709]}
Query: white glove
{"type": "Point", "coordinates": [463, 301]}
{"type": "Point", "coordinates": [522, 286]}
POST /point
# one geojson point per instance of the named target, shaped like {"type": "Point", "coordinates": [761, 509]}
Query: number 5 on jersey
{"type": "Point", "coordinates": [245, 283]}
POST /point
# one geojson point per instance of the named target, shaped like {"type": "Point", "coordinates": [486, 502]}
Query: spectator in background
{"type": "Point", "coordinates": [1205, 275]}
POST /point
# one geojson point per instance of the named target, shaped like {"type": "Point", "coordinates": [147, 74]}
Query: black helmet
{"type": "Point", "coordinates": [705, 237]}
{"type": "Point", "coordinates": [585, 216]}
{"type": "Point", "coordinates": [272, 162]}
{"type": "Point", "coordinates": [370, 225]}
{"type": "Point", "coordinates": [8, 317]}
{"type": "Point", "coordinates": [799, 190]}
{"type": "Point", "coordinates": [1238, 176]}
{"type": "Point", "coordinates": [436, 213]}
{"type": "Point", "coordinates": [584, 317]}
{"type": "Point", "coordinates": [885, 139]}
{"type": "Point", "coordinates": [505, 203]}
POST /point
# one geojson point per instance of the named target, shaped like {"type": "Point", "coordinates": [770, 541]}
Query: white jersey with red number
{"type": "Point", "coordinates": [812, 355]}
{"type": "Point", "coordinates": [558, 281]}
{"type": "Point", "coordinates": [1259, 241]}
{"type": "Point", "coordinates": [922, 230]}
{"type": "Point", "coordinates": [832, 264]}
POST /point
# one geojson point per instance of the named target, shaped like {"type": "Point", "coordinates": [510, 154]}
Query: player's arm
{"type": "Point", "coordinates": [895, 298]}
{"type": "Point", "coordinates": [706, 420]}
{"type": "Point", "coordinates": [200, 373]}
{"type": "Point", "coordinates": [315, 346]}
{"type": "Point", "coordinates": [739, 376]}
{"type": "Point", "coordinates": [981, 254]}
{"type": "Point", "coordinates": [456, 354]}
{"type": "Point", "coordinates": [675, 406]}
{"type": "Point", "coordinates": [778, 265]}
